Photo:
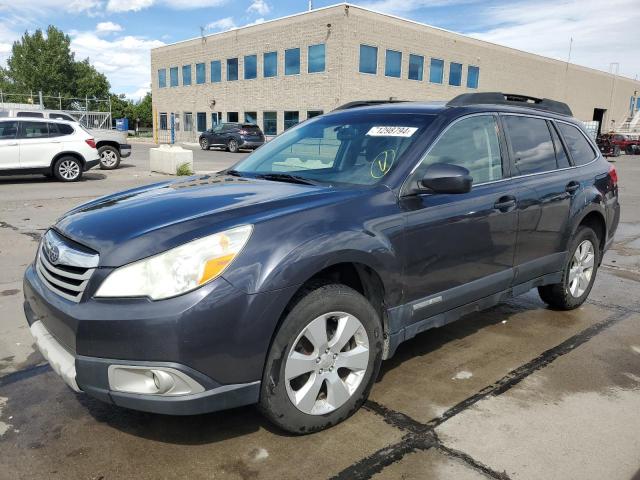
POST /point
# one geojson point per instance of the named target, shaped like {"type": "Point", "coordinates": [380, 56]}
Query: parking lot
{"type": "Point", "coordinates": [518, 391]}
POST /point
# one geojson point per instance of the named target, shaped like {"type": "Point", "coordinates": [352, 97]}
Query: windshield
{"type": "Point", "coordinates": [353, 148]}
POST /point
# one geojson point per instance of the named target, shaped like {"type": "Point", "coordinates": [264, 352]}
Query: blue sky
{"type": "Point", "coordinates": [117, 34]}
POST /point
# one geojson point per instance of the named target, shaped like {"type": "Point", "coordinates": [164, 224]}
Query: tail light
{"type": "Point", "coordinates": [613, 174]}
{"type": "Point", "coordinates": [91, 142]}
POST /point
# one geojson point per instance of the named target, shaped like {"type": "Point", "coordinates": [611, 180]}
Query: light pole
{"type": "Point", "coordinates": [614, 69]}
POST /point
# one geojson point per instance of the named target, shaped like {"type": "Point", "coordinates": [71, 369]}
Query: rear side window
{"type": "Point", "coordinates": [30, 115]}
{"type": "Point", "coordinates": [8, 130]}
{"type": "Point", "coordinates": [34, 130]}
{"type": "Point", "coordinates": [471, 143]}
{"type": "Point", "coordinates": [579, 148]}
{"type": "Point", "coordinates": [531, 144]}
{"type": "Point", "coordinates": [61, 116]}
{"type": "Point", "coordinates": [59, 129]}
{"type": "Point", "coordinates": [561, 154]}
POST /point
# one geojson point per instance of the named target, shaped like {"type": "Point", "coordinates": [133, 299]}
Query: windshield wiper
{"type": "Point", "coordinates": [286, 177]}
{"type": "Point", "coordinates": [233, 173]}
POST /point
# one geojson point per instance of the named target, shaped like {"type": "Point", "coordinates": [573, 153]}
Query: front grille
{"type": "Point", "coordinates": [72, 271]}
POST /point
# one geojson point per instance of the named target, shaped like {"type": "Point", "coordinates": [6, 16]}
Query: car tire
{"type": "Point", "coordinates": [629, 150]}
{"type": "Point", "coordinates": [68, 169]}
{"type": "Point", "coordinates": [616, 151]}
{"type": "Point", "coordinates": [232, 146]}
{"type": "Point", "coordinates": [579, 273]}
{"type": "Point", "coordinates": [338, 379]}
{"type": "Point", "coordinates": [204, 144]}
{"type": "Point", "coordinates": [109, 157]}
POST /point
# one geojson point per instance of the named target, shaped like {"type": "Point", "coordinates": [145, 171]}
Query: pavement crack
{"type": "Point", "coordinates": [470, 461]}
{"type": "Point", "coordinates": [24, 374]}
{"type": "Point", "coordinates": [396, 419]}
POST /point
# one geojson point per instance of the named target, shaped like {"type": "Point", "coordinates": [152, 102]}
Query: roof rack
{"type": "Point", "coordinates": [512, 99]}
{"type": "Point", "coordinates": [366, 103]}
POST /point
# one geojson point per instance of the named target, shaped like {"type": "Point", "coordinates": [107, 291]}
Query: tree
{"type": "Point", "coordinates": [88, 81]}
{"type": "Point", "coordinates": [144, 111]}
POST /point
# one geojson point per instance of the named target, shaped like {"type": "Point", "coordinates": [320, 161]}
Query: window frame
{"type": "Point", "coordinates": [187, 67]}
{"type": "Point", "coordinates": [177, 71]}
{"type": "Point", "coordinates": [255, 116]}
{"type": "Point", "coordinates": [324, 58]}
{"type": "Point", "coordinates": [204, 73]}
{"type": "Point", "coordinates": [237, 69]}
{"type": "Point", "coordinates": [451, 64]}
{"type": "Point", "coordinates": [477, 67]}
{"type": "Point", "coordinates": [264, 127]}
{"type": "Point", "coordinates": [285, 119]}
{"type": "Point", "coordinates": [421, 68]}
{"type": "Point", "coordinates": [386, 62]}
{"type": "Point", "coordinates": [264, 64]}
{"type": "Point", "coordinates": [219, 72]}
{"type": "Point", "coordinates": [162, 78]}
{"type": "Point", "coordinates": [293, 49]}
{"type": "Point", "coordinates": [200, 115]}
{"type": "Point", "coordinates": [431, 59]}
{"type": "Point", "coordinates": [360, 59]}
{"type": "Point", "coordinates": [244, 65]}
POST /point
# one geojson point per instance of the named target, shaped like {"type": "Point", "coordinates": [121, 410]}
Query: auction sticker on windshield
{"type": "Point", "coordinates": [392, 131]}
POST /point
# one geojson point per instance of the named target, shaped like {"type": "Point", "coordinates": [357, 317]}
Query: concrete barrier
{"type": "Point", "coordinates": [167, 158]}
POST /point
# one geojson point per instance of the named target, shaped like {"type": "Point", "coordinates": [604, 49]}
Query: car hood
{"type": "Point", "coordinates": [144, 221]}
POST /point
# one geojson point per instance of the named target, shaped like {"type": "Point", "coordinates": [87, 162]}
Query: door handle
{"type": "Point", "coordinates": [572, 187]}
{"type": "Point", "coordinates": [505, 203]}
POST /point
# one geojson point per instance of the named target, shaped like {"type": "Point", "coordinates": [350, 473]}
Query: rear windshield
{"type": "Point", "coordinates": [353, 148]}
{"type": "Point", "coordinates": [251, 128]}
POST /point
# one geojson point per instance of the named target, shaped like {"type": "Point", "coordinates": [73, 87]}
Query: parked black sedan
{"type": "Point", "coordinates": [233, 137]}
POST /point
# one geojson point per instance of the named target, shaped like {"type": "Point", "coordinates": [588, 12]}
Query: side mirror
{"type": "Point", "coordinates": [447, 178]}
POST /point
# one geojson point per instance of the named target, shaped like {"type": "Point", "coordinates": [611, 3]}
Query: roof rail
{"type": "Point", "coordinates": [366, 103]}
{"type": "Point", "coordinates": [511, 99]}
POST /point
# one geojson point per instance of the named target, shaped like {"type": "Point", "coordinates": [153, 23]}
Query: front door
{"type": "Point", "coordinates": [36, 148]}
{"type": "Point", "coordinates": [460, 247]}
{"type": "Point", "coordinates": [9, 149]}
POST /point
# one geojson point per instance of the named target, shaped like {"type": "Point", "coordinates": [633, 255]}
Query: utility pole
{"type": "Point", "coordinates": [614, 69]}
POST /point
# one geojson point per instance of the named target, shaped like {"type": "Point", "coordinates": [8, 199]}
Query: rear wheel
{"type": "Point", "coordinates": [323, 361]}
{"type": "Point", "coordinates": [109, 157]}
{"type": "Point", "coordinates": [616, 150]}
{"type": "Point", "coordinates": [68, 169]}
{"type": "Point", "coordinates": [232, 146]}
{"type": "Point", "coordinates": [579, 275]}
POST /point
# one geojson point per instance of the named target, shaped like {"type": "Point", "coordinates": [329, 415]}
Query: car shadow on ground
{"type": "Point", "coordinates": [23, 179]}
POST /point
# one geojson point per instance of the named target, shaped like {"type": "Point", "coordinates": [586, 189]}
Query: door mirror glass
{"type": "Point", "coordinates": [446, 178]}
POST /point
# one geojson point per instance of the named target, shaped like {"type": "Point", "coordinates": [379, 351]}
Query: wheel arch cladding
{"type": "Point", "coordinates": [108, 143]}
{"type": "Point", "coordinates": [75, 155]}
{"type": "Point", "coordinates": [595, 220]}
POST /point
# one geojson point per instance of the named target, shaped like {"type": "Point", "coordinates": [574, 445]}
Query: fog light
{"type": "Point", "coordinates": [151, 380]}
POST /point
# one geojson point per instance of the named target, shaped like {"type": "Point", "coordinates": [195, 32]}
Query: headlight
{"type": "Point", "coordinates": [178, 270]}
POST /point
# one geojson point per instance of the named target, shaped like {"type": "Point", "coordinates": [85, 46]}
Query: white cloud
{"type": "Point", "coordinates": [108, 27]}
{"type": "Point", "coordinates": [403, 6]}
{"type": "Point", "coordinates": [226, 23]}
{"type": "Point", "coordinates": [257, 21]}
{"type": "Point", "coordinates": [261, 7]}
{"type": "Point", "coordinates": [137, 5]}
{"type": "Point", "coordinates": [546, 28]}
{"type": "Point", "coordinates": [128, 5]}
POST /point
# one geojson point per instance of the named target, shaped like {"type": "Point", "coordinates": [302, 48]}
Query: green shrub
{"type": "Point", "coordinates": [184, 170]}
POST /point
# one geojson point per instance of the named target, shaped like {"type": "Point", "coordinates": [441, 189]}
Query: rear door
{"type": "Point", "coordinates": [545, 190]}
{"type": "Point", "coordinates": [36, 148]}
{"type": "Point", "coordinates": [9, 149]}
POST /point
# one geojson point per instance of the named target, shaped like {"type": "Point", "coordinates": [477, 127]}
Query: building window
{"type": "Point", "coordinates": [368, 59]}
{"type": "Point", "coordinates": [186, 75]}
{"type": "Point", "coordinates": [292, 61]}
{"type": "Point", "coordinates": [314, 113]}
{"type": "Point", "coordinates": [291, 119]}
{"type": "Point", "coordinates": [200, 73]}
{"type": "Point", "coordinates": [215, 119]}
{"type": "Point", "coordinates": [163, 122]}
{"type": "Point", "coordinates": [250, 67]}
{"type": "Point", "coordinates": [188, 121]}
{"type": "Point", "coordinates": [436, 71]}
{"type": "Point", "coordinates": [270, 123]}
{"type": "Point", "coordinates": [251, 117]}
{"type": "Point", "coordinates": [316, 58]}
{"type": "Point", "coordinates": [416, 67]}
{"type": "Point", "coordinates": [162, 78]}
{"type": "Point", "coordinates": [173, 76]}
{"type": "Point", "coordinates": [473, 74]}
{"type": "Point", "coordinates": [270, 64]}
{"type": "Point", "coordinates": [232, 69]}
{"type": "Point", "coordinates": [455, 74]}
{"type": "Point", "coordinates": [201, 121]}
{"type": "Point", "coordinates": [393, 64]}
{"type": "Point", "coordinates": [216, 71]}
{"type": "Point", "coordinates": [232, 117]}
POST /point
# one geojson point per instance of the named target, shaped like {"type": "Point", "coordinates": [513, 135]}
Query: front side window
{"type": "Point", "coordinates": [292, 61]}
{"type": "Point", "coordinates": [416, 67]}
{"type": "Point", "coordinates": [471, 143]}
{"type": "Point", "coordinates": [232, 69]}
{"type": "Point", "coordinates": [8, 130]}
{"type": "Point", "coordinates": [436, 71]}
{"type": "Point", "coordinates": [173, 74]}
{"type": "Point", "coordinates": [201, 76]}
{"type": "Point", "coordinates": [316, 58]}
{"type": "Point", "coordinates": [531, 144]}
{"type": "Point", "coordinates": [473, 75]}
{"type": "Point", "coordinates": [33, 130]}
{"type": "Point", "coordinates": [291, 119]}
{"type": "Point", "coordinates": [270, 65]}
{"type": "Point", "coordinates": [347, 148]}
{"type": "Point", "coordinates": [201, 121]}
{"type": "Point", "coordinates": [455, 74]}
{"type": "Point", "coordinates": [579, 147]}
{"type": "Point", "coordinates": [251, 117]}
{"type": "Point", "coordinates": [393, 63]}
{"type": "Point", "coordinates": [250, 67]}
{"type": "Point", "coordinates": [162, 78]}
{"type": "Point", "coordinates": [270, 123]}
{"type": "Point", "coordinates": [368, 59]}
{"type": "Point", "coordinates": [186, 75]}
{"type": "Point", "coordinates": [216, 71]}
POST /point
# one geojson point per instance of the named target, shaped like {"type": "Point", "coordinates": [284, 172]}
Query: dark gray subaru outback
{"type": "Point", "coordinates": [287, 279]}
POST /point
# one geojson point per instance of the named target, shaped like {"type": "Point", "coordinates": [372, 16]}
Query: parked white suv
{"type": "Point", "coordinates": [52, 147]}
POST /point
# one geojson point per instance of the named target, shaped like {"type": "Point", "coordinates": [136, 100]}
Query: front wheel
{"type": "Point", "coordinates": [68, 169]}
{"type": "Point", "coordinates": [232, 146]}
{"type": "Point", "coordinates": [323, 361]}
{"type": "Point", "coordinates": [579, 275]}
{"type": "Point", "coordinates": [204, 144]}
{"type": "Point", "coordinates": [109, 157]}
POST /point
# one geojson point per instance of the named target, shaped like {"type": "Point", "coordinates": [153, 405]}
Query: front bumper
{"type": "Point", "coordinates": [125, 150]}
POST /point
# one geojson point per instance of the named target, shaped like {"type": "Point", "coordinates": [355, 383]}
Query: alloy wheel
{"type": "Point", "coordinates": [204, 144]}
{"type": "Point", "coordinates": [108, 158]}
{"type": "Point", "coordinates": [69, 170]}
{"type": "Point", "coordinates": [581, 269]}
{"type": "Point", "coordinates": [327, 363]}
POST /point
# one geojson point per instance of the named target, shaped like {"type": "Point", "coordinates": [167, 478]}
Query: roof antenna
{"type": "Point", "coordinates": [202, 36]}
